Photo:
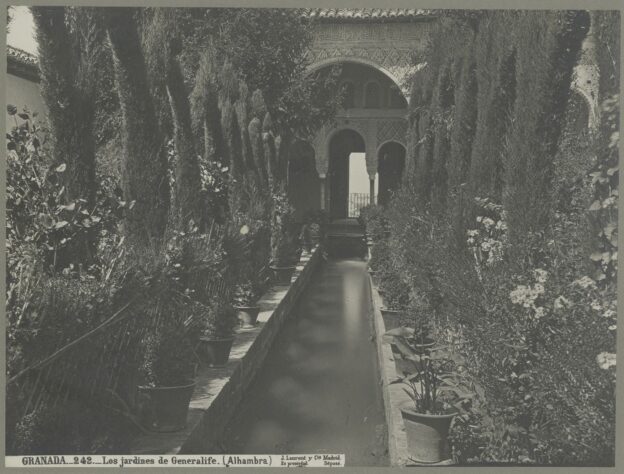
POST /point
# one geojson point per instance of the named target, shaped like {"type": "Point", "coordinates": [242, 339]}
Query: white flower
{"type": "Point", "coordinates": [585, 282]}
{"type": "Point", "coordinates": [479, 218]}
{"type": "Point", "coordinates": [524, 295]}
{"type": "Point", "coordinates": [609, 313]}
{"type": "Point", "coordinates": [540, 312]}
{"type": "Point", "coordinates": [540, 275]}
{"type": "Point", "coordinates": [487, 222]}
{"type": "Point", "coordinates": [605, 360]}
{"type": "Point", "coordinates": [472, 233]}
{"type": "Point", "coordinates": [562, 302]}
{"type": "Point", "coordinates": [518, 295]}
{"type": "Point", "coordinates": [538, 288]}
{"type": "Point", "coordinates": [596, 306]}
{"type": "Point", "coordinates": [612, 327]}
{"type": "Point", "coordinates": [244, 230]}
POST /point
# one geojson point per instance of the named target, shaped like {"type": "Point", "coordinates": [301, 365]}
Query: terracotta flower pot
{"type": "Point", "coordinates": [427, 435]}
{"type": "Point", "coordinates": [282, 275]}
{"type": "Point", "coordinates": [215, 352]}
{"type": "Point", "coordinates": [164, 409]}
{"type": "Point", "coordinates": [390, 318]}
{"type": "Point", "coordinates": [247, 315]}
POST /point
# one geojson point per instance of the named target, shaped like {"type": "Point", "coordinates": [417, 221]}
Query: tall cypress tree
{"type": "Point", "coordinates": [145, 161]}
{"type": "Point", "coordinates": [163, 48]}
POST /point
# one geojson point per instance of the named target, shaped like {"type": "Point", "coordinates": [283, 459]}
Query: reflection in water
{"type": "Point", "coordinates": [318, 391]}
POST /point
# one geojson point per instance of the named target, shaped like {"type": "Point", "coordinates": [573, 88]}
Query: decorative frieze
{"type": "Point", "coordinates": [357, 32]}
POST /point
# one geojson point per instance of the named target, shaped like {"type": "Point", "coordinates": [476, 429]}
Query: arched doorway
{"type": "Point", "coordinates": [390, 168]}
{"type": "Point", "coordinates": [341, 145]}
{"type": "Point", "coordinates": [303, 180]}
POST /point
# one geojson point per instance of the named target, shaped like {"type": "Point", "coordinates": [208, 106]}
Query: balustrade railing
{"type": "Point", "coordinates": [356, 202]}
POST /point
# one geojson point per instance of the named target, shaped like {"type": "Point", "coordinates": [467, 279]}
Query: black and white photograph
{"type": "Point", "coordinates": [311, 237]}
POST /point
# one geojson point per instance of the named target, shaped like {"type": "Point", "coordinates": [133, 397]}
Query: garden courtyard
{"type": "Point", "coordinates": [389, 234]}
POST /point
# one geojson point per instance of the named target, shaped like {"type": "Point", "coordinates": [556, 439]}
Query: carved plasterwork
{"type": "Point", "coordinates": [391, 130]}
{"type": "Point", "coordinates": [396, 61]}
{"type": "Point", "coordinates": [390, 47]}
{"type": "Point", "coordinates": [408, 32]}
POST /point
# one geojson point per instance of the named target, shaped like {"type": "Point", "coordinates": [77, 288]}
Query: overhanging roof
{"type": "Point", "coordinates": [368, 14]}
{"type": "Point", "coordinates": [23, 64]}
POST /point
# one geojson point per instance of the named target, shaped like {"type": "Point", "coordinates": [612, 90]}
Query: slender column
{"type": "Point", "coordinates": [323, 191]}
{"type": "Point", "coordinates": [372, 188]}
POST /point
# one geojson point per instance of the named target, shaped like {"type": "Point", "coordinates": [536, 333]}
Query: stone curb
{"type": "Point", "coordinates": [393, 394]}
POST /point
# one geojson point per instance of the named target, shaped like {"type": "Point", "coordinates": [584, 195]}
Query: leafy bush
{"type": "Point", "coordinates": [374, 221]}
{"type": "Point", "coordinates": [220, 319]}
{"type": "Point", "coordinates": [38, 212]}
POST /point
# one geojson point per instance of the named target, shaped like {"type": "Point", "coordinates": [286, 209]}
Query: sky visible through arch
{"type": "Point", "coordinates": [358, 176]}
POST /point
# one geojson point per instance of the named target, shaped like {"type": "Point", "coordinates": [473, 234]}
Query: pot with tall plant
{"type": "Point", "coordinates": [318, 226]}
{"type": "Point", "coordinates": [167, 370]}
{"type": "Point", "coordinates": [283, 241]}
{"type": "Point", "coordinates": [395, 297]}
{"type": "Point", "coordinates": [217, 334]}
{"type": "Point", "coordinates": [430, 409]}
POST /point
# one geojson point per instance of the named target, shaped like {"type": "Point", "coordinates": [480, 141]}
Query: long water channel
{"type": "Point", "coordinates": [319, 389]}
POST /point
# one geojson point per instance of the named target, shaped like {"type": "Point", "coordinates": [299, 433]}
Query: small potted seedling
{"type": "Point", "coordinates": [215, 342]}
{"type": "Point", "coordinates": [245, 299]}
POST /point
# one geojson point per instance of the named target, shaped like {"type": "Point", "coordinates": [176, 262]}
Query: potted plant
{"type": "Point", "coordinates": [429, 412]}
{"type": "Point", "coordinates": [245, 298]}
{"type": "Point", "coordinates": [395, 296]}
{"type": "Point", "coordinates": [318, 225]}
{"type": "Point", "coordinates": [217, 334]}
{"type": "Point", "coordinates": [283, 241]}
{"type": "Point", "coordinates": [306, 236]}
{"type": "Point", "coordinates": [167, 370]}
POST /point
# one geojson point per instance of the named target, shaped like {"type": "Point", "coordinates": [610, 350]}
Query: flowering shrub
{"type": "Point", "coordinates": [533, 327]}
{"type": "Point", "coordinates": [531, 347]}
{"type": "Point", "coordinates": [488, 240]}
